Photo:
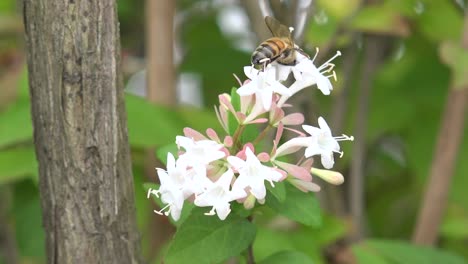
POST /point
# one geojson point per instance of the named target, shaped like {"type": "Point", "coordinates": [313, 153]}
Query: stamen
{"type": "Point", "coordinates": [211, 212]}
{"type": "Point", "coordinates": [332, 75]}
{"type": "Point", "coordinates": [152, 191]}
{"type": "Point", "coordinates": [237, 78]}
{"type": "Point", "coordinates": [344, 137]}
{"type": "Point", "coordinates": [316, 53]}
{"type": "Point", "coordinates": [338, 53]}
{"type": "Point", "coordinates": [160, 212]}
{"type": "Point", "coordinates": [291, 29]}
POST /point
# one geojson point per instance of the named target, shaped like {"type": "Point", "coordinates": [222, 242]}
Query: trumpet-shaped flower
{"type": "Point", "coordinates": [200, 152]}
{"type": "Point", "coordinates": [263, 84]}
{"type": "Point", "coordinates": [253, 174]}
{"type": "Point", "coordinates": [219, 196]}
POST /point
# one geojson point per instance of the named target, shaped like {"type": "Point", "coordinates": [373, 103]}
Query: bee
{"type": "Point", "coordinates": [279, 48]}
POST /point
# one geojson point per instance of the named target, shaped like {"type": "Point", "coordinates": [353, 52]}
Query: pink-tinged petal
{"type": "Point", "coordinates": [192, 133]}
{"type": "Point", "coordinates": [305, 186]}
{"type": "Point", "coordinates": [227, 103]}
{"type": "Point", "coordinates": [256, 111]}
{"type": "Point", "coordinates": [249, 153]}
{"type": "Point", "coordinates": [263, 157]}
{"type": "Point", "coordinates": [275, 176]}
{"type": "Point", "coordinates": [283, 173]}
{"type": "Point", "coordinates": [220, 119]}
{"type": "Point", "coordinates": [235, 162]}
{"type": "Point", "coordinates": [276, 114]}
{"type": "Point", "coordinates": [246, 103]}
{"type": "Point", "coordinates": [258, 190]}
{"type": "Point", "coordinates": [226, 152]}
{"type": "Point", "coordinates": [258, 121]}
{"type": "Point", "coordinates": [293, 119]}
{"type": "Point", "coordinates": [212, 135]}
{"type": "Point", "coordinates": [307, 163]}
{"type": "Point", "coordinates": [291, 146]}
{"type": "Point", "coordinates": [228, 141]}
{"type": "Point", "coordinates": [299, 133]}
{"type": "Point", "coordinates": [295, 171]}
{"type": "Point", "coordinates": [279, 134]}
{"type": "Point", "coordinates": [240, 117]}
{"type": "Point", "coordinates": [313, 131]}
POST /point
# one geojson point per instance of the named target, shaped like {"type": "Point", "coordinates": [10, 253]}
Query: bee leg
{"type": "Point", "coordinates": [265, 62]}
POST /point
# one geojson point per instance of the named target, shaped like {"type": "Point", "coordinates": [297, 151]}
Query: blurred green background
{"type": "Point", "coordinates": [410, 83]}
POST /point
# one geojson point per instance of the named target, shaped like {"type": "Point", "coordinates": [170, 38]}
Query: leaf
{"type": "Point", "coordinates": [206, 239]}
{"type": "Point", "coordinates": [279, 191]}
{"type": "Point", "coordinates": [161, 152]}
{"type": "Point", "coordinates": [453, 54]}
{"type": "Point", "coordinates": [299, 206]}
{"type": "Point", "coordinates": [17, 164]}
{"type": "Point", "coordinates": [15, 124]}
{"type": "Point", "coordinates": [403, 252]}
{"type": "Point", "coordinates": [380, 19]}
{"type": "Point", "coordinates": [291, 257]}
{"type": "Point", "coordinates": [149, 124]}
{"type": "Point", "coordinates": [28, 223]}
{"type": "Point", "coordinates": [440, 21]}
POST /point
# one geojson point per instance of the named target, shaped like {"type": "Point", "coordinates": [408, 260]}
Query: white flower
{"type": "Point", "coordinates": [283, 71]}
{"type": "Point", "coordinates": [253, 174]}
{"type": "Point", "coordinates": [307, 74]}
{"type": "Point", "coordinates": [321, 142]}
{"type": "Point", "coordinates": [200, 152]}
{"type": "Point", "coordinates": [218, 196]}
{"type": "Point", "coordinates": [173, 189]}
{"type": "Point", "coordinates": [263, 84]}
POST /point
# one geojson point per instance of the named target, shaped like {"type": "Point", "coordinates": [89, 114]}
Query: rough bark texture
{"type": "Point", "coordinates": [80, 132]}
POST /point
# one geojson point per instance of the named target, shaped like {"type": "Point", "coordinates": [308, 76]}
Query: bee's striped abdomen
{"type": "Point", "coordinates": [271, 49]}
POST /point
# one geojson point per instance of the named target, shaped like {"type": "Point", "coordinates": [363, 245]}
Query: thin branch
{"type": "Point", "coordinates": [256, 11]}
{"type": "Point", "coordinates": [356, 191]}
{"type": "Point", "coordinates": [445, 156]}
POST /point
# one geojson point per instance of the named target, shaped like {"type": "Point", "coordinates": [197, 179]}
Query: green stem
{"type": "Point", "coordinates": [262, 135]}
{"type": "Point", "coordinates": [236, 137]}
{"type": "Point", "coordinates": [250, 255]}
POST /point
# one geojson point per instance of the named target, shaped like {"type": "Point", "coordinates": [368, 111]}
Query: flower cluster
{"type": "Point", "coordinates": [213, 171]}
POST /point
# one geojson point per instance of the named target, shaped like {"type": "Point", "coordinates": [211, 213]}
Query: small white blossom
{"type": "Point", "coordinates": [253, 174]}
{"type": "Point", "coordinates": [200, 152]}
{"type": "Point", "coordinates": [219, 196]}
{"type": "Point", "coordinates": [263, 84]}
{"type": "Point", "coordinates": [321, 142]}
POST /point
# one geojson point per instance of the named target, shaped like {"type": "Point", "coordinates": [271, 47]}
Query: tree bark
{"type": "Point", "coordinates": [80, 131]}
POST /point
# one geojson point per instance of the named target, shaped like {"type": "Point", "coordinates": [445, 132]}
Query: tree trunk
{"type": "Point", "coordinates": [80, 131]}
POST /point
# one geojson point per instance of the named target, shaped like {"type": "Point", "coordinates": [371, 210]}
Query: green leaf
{"type": "Point", "coordinates": [291, 257]}
{"type": "Point", "coordinates": [299, 206]}
{"type": "Point", "coordinates": [161, 152]}
{"type": "Point", "coordinates": [279, 191]}
{"type": "Point", "coordinates": [17, 164]}
{"type": "Point", "coordinates": [149, 124]}
{"type": "Point", "coordinates": [249, 134]}
{"type": "Point", "coordinates": [28, 223]}
{"type": "Point", "coordinates": [453, 54]}
{"type": "Point", "coordinates": [455, 223]}
{"type": "Point", "coordinates": [440, 21]}
{"type": "Point", "coordinates": [403, 252]}
{"type": "Point", "coordinates": [380, 19]}
{"type": "Point", "coordinates": [186, 209]}
{"type": "Point", "coordinates": [15, 124]}
{"type": "Point", "coordinates": [206, 239]}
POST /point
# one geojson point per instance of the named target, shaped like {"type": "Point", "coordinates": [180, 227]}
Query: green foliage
{"type": "Point", "coordinates": [299, 206]}
{"type": "Point", "coordinates": [293, 257]}
{"type": "Point", "coordinates": [394, 252]}
{"type": "Point", "coordinates": [456, 57]}
{"type": "Point", "coordinates": [15, 124]}
{"type": "Point", "coordinates": [204, 239]}
{"type": "Point", "coordinates": [17, 164]}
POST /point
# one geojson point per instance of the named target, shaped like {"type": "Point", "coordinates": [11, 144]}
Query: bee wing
{"type": "Point", "coordinates": [276, 28]}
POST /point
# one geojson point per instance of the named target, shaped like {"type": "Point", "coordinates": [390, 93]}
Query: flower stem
{"type": "Point", "coordinates": [236, 136]}
{"type": "Point", "coordinates": [262, 135]}
{"type": "Point", "coordinates": [250, 255]}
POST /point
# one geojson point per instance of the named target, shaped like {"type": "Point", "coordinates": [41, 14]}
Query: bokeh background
{"type": "Point", "coordinates": [393, 81]}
